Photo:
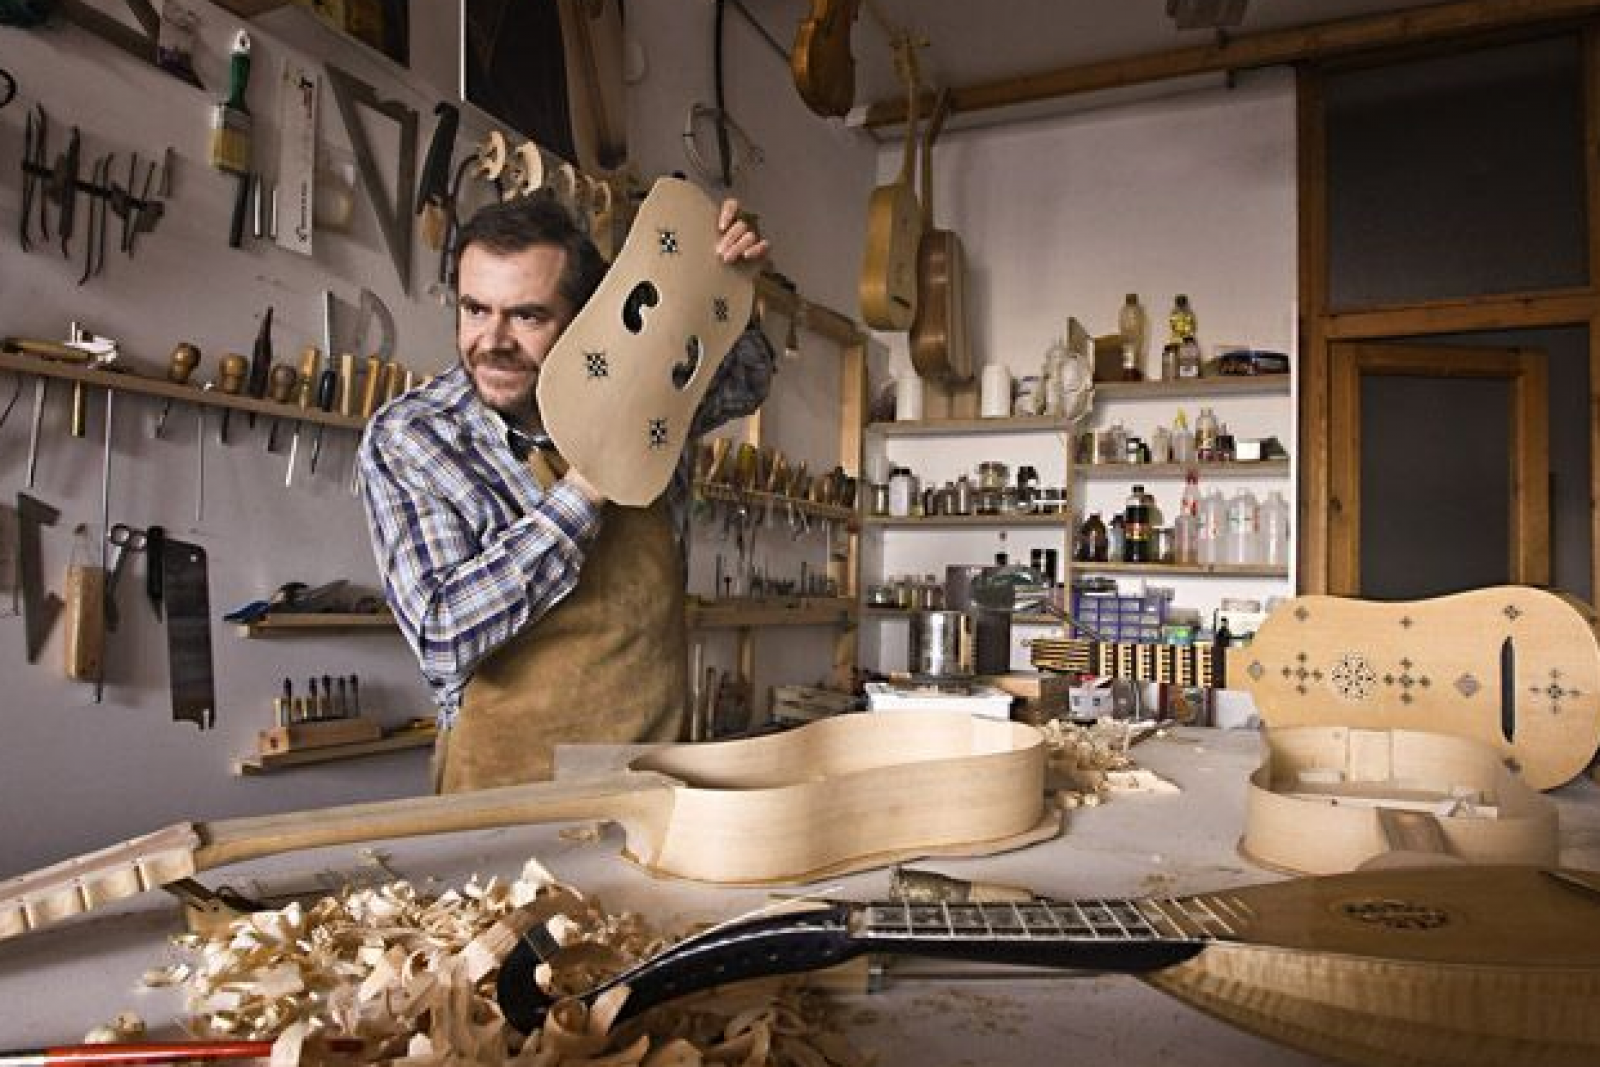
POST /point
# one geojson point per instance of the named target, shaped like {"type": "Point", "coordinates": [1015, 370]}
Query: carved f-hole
{"type": "Point", "coordinates": [683, 371]}
{"type": "Point", "coordinates": [643, 295]}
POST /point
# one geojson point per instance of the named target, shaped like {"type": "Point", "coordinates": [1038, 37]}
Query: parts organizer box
{"type": "Point", "coordinates": [982, 700]}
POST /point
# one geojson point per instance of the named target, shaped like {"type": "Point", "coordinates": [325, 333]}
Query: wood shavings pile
{"type": "Point", "coordinates": [1087, 764]}
{"type": "Point", "coordinates": [412, 977]}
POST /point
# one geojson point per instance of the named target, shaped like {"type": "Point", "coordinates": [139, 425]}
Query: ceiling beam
{"type": "Point", "coordinates": [1318, 40]}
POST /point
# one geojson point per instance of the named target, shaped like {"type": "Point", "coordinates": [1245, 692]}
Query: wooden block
{"type": "Point", "coordinates": [304, 735]}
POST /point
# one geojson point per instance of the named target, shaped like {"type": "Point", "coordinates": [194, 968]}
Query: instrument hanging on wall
{"type": "Point", "coordinates": [939, 347]}
{"type": "Point", "coordinates": [888, 286]}
{"type": "Point", "coordinates": [824, 69]}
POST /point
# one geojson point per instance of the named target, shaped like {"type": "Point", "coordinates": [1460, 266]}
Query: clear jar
{"type": "Point", "coordinates": [902, 492]}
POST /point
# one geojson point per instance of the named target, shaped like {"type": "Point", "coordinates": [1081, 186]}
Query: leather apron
{"type": "Point", "coordinates": [608, 664]}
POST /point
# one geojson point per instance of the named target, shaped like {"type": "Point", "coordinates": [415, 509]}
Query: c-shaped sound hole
{"type": "Point", "coordinates": [683, 371]}
{"type": "Point", "coordinates": [643, 295]}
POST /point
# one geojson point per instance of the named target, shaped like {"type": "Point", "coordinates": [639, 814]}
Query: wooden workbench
{"type": "Point", "coordinates": [58, 983]}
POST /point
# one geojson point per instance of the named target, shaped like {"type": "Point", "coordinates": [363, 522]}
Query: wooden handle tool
{"type": "Point", "coordinates": [369, 387]}
{"type": "Point", "coordinates": [235, 370]}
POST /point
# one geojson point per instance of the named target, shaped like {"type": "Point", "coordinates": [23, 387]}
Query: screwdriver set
{"type": "Point", "coordinates": [327, 713]}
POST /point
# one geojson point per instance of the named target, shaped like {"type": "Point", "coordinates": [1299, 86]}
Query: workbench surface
{"type": "Point", "coordinates": [59, 982]}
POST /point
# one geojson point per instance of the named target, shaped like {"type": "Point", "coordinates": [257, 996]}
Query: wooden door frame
{"type": "Point", "coordinates": [1526, 369]}
{"type": "Point", "coordinates": [1321, 326]}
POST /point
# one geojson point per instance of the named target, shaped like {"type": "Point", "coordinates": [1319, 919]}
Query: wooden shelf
{"type": "Point", "coordinates": [770, 611]}
{"type": "Point", "coordinates": [716, 491]}
{"type": "Point", "coordinates": [967, 427]}
{"type": "Point", "coordinates": [1135, 471]}
{"type": "Point", "coordinates": [1220, 570]}
{"type": "Point", "coordinates": [945, 522]}
{"type": "Point", "coordinates": [395, 741]}
{"type": "Point", "coordinates": [291, 624]}
{"type": "Point", "coordinates": [129, 382]}
{"type": "Point", "coordinates": [1196, 388]}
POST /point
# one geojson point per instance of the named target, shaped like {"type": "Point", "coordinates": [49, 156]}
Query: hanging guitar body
{"type": "Point", "coordinates": [939, 347]}
{"type": "Point", "coordinates": [823, 68]}
{"type": "Point", "coordinates": [888, 285]}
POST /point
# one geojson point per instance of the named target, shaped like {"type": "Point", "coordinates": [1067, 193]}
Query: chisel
{"type": "Point", "coordinates": [260, 361]}
{"type": "Point", "coordinates": [280, 388]}
{"type": "Point", "coordinates": [309, 357]}
{"type": "Point", "coordinates": [234, 370]}
{"type": "Point", "coordinates": [185, 358]}
{"type": "Point", "coordinates": [325, 390]}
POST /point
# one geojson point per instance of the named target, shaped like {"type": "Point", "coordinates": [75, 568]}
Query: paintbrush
{"type": "Point", "coordinates": [230, 120]}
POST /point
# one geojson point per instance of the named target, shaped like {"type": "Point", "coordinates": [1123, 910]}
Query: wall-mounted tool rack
{"type": "Point", "coordinates": [128, 382]}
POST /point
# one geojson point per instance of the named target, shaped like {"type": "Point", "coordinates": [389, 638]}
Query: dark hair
{"type": "Point", "coordinates": [509, 226]}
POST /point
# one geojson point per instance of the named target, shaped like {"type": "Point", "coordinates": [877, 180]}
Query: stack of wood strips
{"type": "Point", "coordinates": [1140, 661]}
{"type": "Point", "coordinates": [412, 977]}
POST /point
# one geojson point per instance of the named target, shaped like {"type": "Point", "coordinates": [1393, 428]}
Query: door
{"type": "Point", "coordinates": [1439, 469]}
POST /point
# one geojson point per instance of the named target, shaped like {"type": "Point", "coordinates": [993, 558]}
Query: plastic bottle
{"type": "Point", "coordinates": [1132, 324]}
{"type": "Point", "coordinates": [1182, 439]}
{"type": "Point", "coordinates": [1239, 544]}
{"type": "Point", "coordinates": [1205, 436]}
{"type": "Point", "coordinates": [1180, 320]}
{"type": "Point", "coordinates": [1138, 527]}
{"type": "Point", "coordinates": [1275, 530]}
{"type": "Point", "coordinates": [1116, 538]}
{"type": "Point", "coordinates": [1213, 518]}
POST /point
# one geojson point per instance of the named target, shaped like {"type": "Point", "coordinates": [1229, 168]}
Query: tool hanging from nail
{"type": "Point", "coordinates": [234, 369]}
{"type": "Point", "coordinates": [281, 387]}
{"type": "Point", "coordinates": [40, 607]}
{"type": "Point", "coordinates": [185, 358]}
{"type": "Point", "coordinates": [230, 147]}
{"type": "Point", "coordinates": [261, 360]}
{"type": "Point", "coordinates": [188, 604]}
{"type": "Point", "coordinates": [60, 184]}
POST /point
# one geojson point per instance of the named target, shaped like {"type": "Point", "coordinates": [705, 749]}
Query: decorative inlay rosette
{"type": "Point", "coordinates": [1395, 914]}
{"type": "Point", "coordinates": [1353, 678]}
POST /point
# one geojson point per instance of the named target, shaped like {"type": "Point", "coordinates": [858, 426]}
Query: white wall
{"type": "Point", "coordinates": [79, 775]}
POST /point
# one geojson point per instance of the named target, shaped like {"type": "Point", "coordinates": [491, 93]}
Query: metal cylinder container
{"type": "Point", "coordinates": [941, 644]}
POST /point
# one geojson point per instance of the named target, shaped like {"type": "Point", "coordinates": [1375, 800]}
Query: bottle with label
{"type": "Point", "coordinates": [1189, 358]}
{"type": "Point", "coordinates": [1092, 539]}
{"type": "Point", "coordinates": [1180, 320]}
{"type": "Point", "coordinates": [1132, 325]}
{"type": "Point", "coordinates": [1182, 439]}
{"type": "Point", "coordinates": [1205, 436]}
{"type": "Point", "coordinates": [1137, 527]}
{"type": "Point", "coordinates": [1186, 527]}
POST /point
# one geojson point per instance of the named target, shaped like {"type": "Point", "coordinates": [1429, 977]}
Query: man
{"type": "Point", "coordinates": [538, 611]}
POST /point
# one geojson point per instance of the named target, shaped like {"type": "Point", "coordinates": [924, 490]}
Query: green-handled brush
{"type": "Point", "coordinates": [230, 120]}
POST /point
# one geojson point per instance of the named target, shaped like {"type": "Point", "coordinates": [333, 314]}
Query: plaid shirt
{"type": "Point", "coordinates": [471, 549]}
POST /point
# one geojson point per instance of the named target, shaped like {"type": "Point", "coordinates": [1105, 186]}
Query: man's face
{"type": "Point", "coordinates": [510, 312]}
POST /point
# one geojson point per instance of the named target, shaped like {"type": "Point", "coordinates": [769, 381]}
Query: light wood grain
{"type": "Point", "coordinates": [1290, 826]}
{"type": "Point", "coordinates": [1435, 666]}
